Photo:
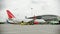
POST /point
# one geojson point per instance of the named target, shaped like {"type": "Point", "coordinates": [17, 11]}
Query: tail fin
{"type": "Point", "coordinates": [10, 15]}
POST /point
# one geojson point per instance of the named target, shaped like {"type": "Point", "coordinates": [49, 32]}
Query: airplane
{"type": "Point", "coordinates": [37, 19]}
{"type": "Point", "coordinates": [11, 18]}
{"type": "Point", "coordinates": [46, 19]}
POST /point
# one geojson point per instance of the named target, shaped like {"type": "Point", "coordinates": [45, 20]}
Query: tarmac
{"type": "Point", "coordinates": [29, 29]}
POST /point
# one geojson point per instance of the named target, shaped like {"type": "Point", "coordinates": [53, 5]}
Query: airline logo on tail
{"type": "Point", "coordinates": [10, 15]}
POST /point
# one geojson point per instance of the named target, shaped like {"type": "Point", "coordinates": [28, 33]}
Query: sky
{"type": "Point", "coordinates": [22, 8]}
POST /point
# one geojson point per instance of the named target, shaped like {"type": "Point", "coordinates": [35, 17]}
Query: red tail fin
{"type": "Point", "coordinates": [10, 15]}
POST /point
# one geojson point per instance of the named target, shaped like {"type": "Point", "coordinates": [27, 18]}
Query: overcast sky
{"type": "Point", "coordinates": [22, 8]}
